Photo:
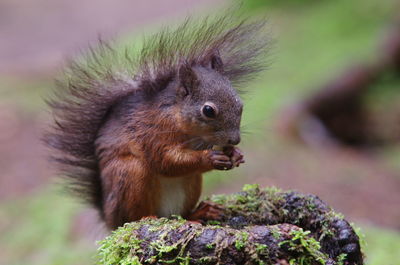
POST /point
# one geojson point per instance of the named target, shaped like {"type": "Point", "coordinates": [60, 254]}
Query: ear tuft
{"type": "Point", "coordinates": [216, 62]}
{"type": "Point", "coordinates": [188, 78]}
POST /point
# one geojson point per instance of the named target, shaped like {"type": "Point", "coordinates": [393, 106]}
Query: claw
{"type": "Point", "coordinates": [220, 160]}
{"type": "Point", "coordinates": [235, 154]}
{"type": "Point", "coordinates": [226, 159]}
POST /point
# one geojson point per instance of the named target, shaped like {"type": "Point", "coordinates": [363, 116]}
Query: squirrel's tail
{"type": "Point", "coordinates": [80, 106]}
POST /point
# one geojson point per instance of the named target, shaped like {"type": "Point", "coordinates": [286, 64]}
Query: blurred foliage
{"type": "Point", "coordinates": [384, 91]}
{"type": "Point", "coordinates": [312, 45]}
{"type": "Point", "coordinates": [36, 230]}
{"type": "Point", "coordinates": [381, 246]}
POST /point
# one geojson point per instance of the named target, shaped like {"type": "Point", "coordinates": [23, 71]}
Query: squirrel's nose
{"type": "Point", "coordinates": [234, 140]}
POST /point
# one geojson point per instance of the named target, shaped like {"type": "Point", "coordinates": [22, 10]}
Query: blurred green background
{"type": "Point", "coordinates": [314, 41]}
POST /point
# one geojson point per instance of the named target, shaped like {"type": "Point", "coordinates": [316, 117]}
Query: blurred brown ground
{"type": "Point", "coordinates": [36, 35]}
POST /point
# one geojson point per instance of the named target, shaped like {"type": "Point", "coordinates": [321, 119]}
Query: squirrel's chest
{"type": "Point", "coordinates": [172, 196]}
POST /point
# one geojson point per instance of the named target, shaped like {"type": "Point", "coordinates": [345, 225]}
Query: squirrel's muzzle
{"type": "Point", "coordinates": [234, 139]}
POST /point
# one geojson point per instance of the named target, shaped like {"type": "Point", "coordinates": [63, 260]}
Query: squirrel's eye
{"type": "Point", "coordinates": [209, 110]}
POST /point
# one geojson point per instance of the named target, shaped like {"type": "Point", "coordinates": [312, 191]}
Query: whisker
{"type": "Point", "coordinates": [246, 132]}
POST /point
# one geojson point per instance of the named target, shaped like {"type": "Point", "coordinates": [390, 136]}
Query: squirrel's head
{"type": "Point", "coordinates": [211, 108]}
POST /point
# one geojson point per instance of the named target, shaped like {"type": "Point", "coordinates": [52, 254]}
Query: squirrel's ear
{"type": "Point", "coordinates": [216, 62]}
{"type": "Point", "coordinates": [188, 79]}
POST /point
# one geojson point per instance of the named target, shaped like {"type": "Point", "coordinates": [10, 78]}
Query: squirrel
{"type": "Point", "coordinates": [134, 133]}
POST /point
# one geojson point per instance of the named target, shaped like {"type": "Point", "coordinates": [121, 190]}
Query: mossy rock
{"type": "Point", "coordinates": [260, 226]}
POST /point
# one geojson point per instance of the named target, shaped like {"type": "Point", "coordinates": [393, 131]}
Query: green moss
{"type": "Point", "coordinates": [251, 201]}
{"type": "Point", "coordinates": [360, 234]}
{"type": "Point", "coordinates": [206, 259]}
{"type": "Point", "coordinates": [159, 243]}
{"type": "Point", "coordinates": [123, 246]}
{"type": "Point", "coordinates": [326, 229]}
{"type": "Point", "coordinates": [307, 246]}
{"type": "Point", "coordinates": [213, 222]}
{"type": "Point", "coordinates": [241, 240]}
{"type": "Point", "coordinates": [119, 246]}
{"type": "Point", "coordinates": [341, 259]}
{"type": "Point", "coordinates": [210, 245]}
{"type": "Point", "coordinates": [251, 188]}
{"type": "Point", "coordinates": [261, 250]}
{"type": "Point", "coordinates": [276, 233]}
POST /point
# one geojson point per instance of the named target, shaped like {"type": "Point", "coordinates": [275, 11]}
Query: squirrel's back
{"type": "Point", "coordinates": [108, 83]}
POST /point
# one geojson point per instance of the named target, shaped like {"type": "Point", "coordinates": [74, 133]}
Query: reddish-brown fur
{"type": "Point", "coordinates": [130, 170]}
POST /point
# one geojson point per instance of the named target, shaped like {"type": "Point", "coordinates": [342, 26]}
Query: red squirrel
{"type": "Point", "coordinates": [134, 133]}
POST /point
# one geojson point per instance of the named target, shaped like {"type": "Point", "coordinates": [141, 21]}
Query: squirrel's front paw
{"type": "Point", "coordinates": [235, 155]}
{"type": "Point", "coordinates": [220, 161]}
